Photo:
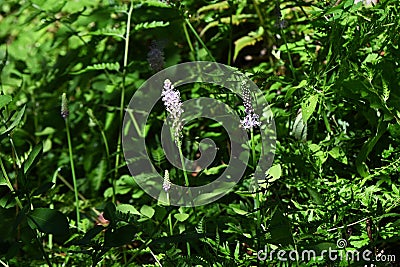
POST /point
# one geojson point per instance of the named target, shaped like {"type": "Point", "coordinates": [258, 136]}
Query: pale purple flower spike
{"type": "Point", "coordinates": [167, 183]}
{"type": "Point", "coordinates": [251, 119]}
{"type": "Point", "coordinates": [173, 105]}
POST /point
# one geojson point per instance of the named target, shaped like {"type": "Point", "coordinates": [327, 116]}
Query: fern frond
{"type": "Point", "coordinates": [150, 25]}
{"type": "Point", "coordinates": [101, 66]}
{"type": "Point", "coordinates": [158, 155]}
{"type": "Point", "coordinates": [118, 32]}
{"type": "Point", "coordinates": [200, 228]}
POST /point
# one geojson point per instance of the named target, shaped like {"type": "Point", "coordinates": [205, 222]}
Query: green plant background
{"type": "Point", "coordinates": [329, 69]}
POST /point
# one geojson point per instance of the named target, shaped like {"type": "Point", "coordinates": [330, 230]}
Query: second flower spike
{"type": "Point", "coordinates": [173, 105]}
{"type": "Point", "coordinates": [251, 119]}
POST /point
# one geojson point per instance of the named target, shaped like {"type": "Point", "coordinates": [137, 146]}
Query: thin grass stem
{"type": "Point", "coordinates": [71, 160]}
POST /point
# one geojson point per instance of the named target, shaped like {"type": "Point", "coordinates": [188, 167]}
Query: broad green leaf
{"type": "Point", "coordinates": [33, 157]}
{"type": "Point", "coordinates": [48, 221]}
{"type": "Point", "coordinates": [251, 39]}
{"type": "Point", "coordinates": [299, 129]}
{"type": "Point", "coordinates": [147, 211]}
{"type": "Point", "coordinates": [181, 216]}
{"type": "Point", "coordinates": [89, 235]}
{"type": "Point", "coordinates": [308, 107]}
{"type": "Point", "coordinates": [338, 154]}
{"type": "Point", "coordinates": [239, 211]}
{"type": "Point", "coordinates": [276, 172]}
{"type": "Point", "coordinates": [4, 100]}
{"type": "Point", "coordinates": [292, 89]}
{"type": "Point", "coordinates": [119, 237]}
{"type": "Point", "coordinates": [43, 188]}
{"type": "Point", "coordinates": [109, 211]}
{"type": "Point", "coordinates": [215, 170]}
{"type": "Point", "coordinates": [315, 196]}
{"type": "Point", "coordinates": [46, 131]}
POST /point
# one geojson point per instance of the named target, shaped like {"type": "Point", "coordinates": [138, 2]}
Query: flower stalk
{"type": "Point", "coordinates": [65, 115]}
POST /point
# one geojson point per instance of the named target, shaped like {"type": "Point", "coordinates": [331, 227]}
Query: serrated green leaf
{"type": "Point", "coordinates": [150, 25]}
{"type": "Point", "coordinates": [154, 3]}
{"type": "Point", "coordinates": [103, 66]}
{"type": "Point", "coordinates": [125, 208]}
{"type": "Point", "coordinates": [118, 32]}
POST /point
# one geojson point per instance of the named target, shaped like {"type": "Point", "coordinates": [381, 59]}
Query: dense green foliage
{"type": "Point", "coordinates": [329, 69]}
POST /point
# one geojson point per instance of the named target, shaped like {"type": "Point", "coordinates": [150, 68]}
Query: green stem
{"type": "Point", "coordinates": [171, 232]}
{"type": "Point", "coordinates": [15, 154]}
{"type": "Point", "coordinates": [183, 166]}
{"type": "Point", "coordinates": [289, 55]}
{"type": "Point", "coordinates": [255, 3]}
{"type": "Point", "coordinates": [188, 38]}
{"type": "Point", "coordinates": [132, 116]}
{"type": "Point", "coordinates": [230, 40]}
{"type": "Point", "coordinates": [103, 135]}
{"type": "Point", "coordinates": [199, 39]}
{"type": "Point", "coordinates": [40, 244]}
{"type": "Point", "coordinates": [186, 184]}
{"type": "Point", "coordinates": [71, 160]}
{"type": "Point", "coordinates": [54, 180]}
{"type": "Point", "coordinates": [253, 156]}
{"type": "Point", "coordinates": [253, 151]}
{"type": "Point", "coordinates": [8, 182]}
{"type": "Point", "coordinates": [257, 198]}
{"type": "Point", "coordinates": [122, 101]}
